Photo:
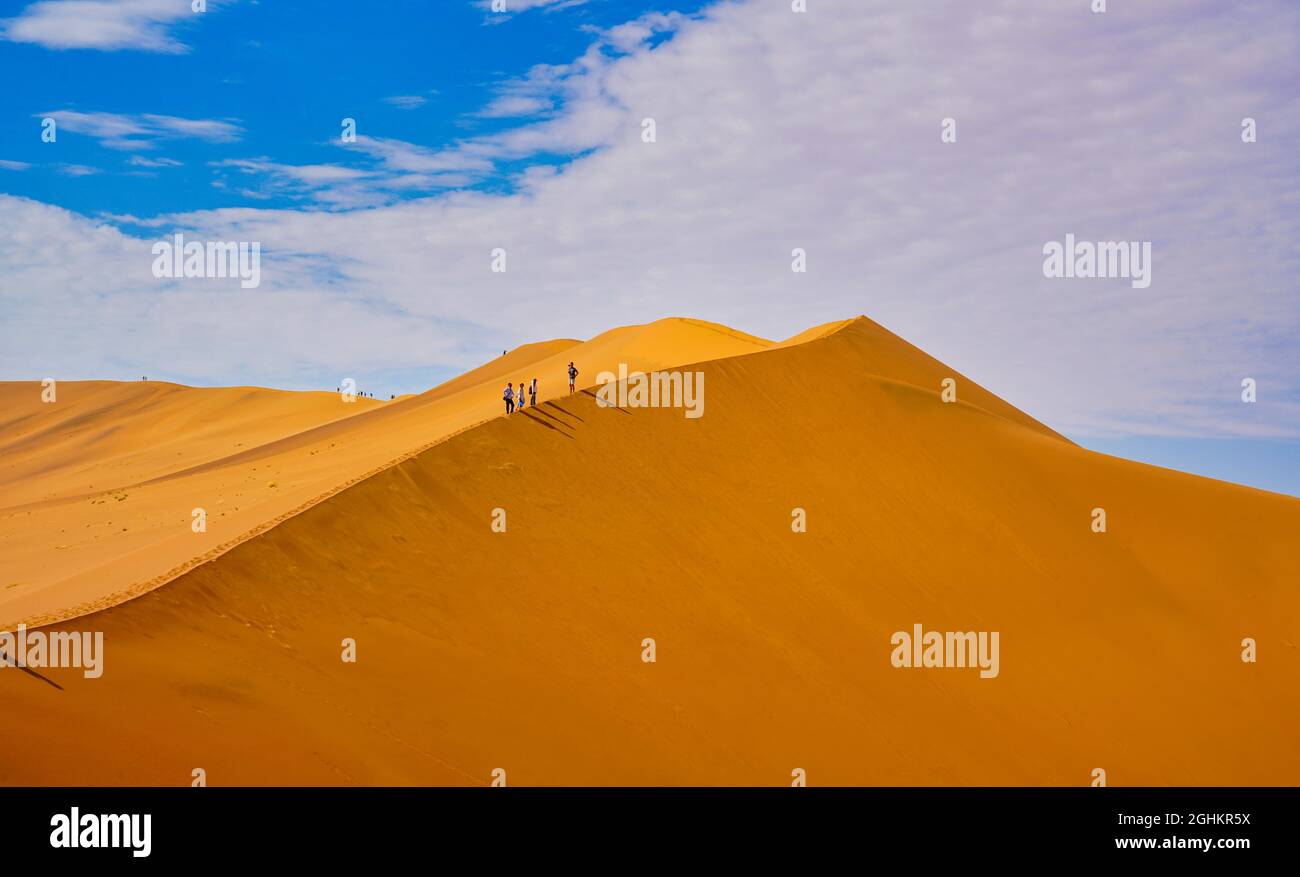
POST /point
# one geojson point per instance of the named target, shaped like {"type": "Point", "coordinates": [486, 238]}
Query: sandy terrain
{"type": "Point", "coordinates": [522, 650]}
{"type": "Point", "coordinates": [97, 491]}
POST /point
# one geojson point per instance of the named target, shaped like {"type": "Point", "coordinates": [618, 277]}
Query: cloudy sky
{"type": "Point", "coordinates": [775, 129]}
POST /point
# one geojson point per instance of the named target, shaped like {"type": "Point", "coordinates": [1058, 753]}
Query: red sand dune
{"type": "Point", "coordinates": [522, 650]}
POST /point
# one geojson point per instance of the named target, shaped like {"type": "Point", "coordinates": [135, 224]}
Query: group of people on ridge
{"type": "Point", "coordinates": [514, 398]}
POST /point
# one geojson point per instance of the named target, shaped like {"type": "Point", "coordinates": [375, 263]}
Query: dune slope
{"type": "Point", "coordinates": [523, 649]}
{"type": "Point", "coordinates": [104, 435]}
{"type": "Point", "coordinates": [98, 492]}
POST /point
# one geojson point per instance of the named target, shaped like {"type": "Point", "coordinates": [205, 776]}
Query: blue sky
{"type": "Point", "coordinates": [522, 131]}
{"type": "Point", "coordinates": [282, 75]}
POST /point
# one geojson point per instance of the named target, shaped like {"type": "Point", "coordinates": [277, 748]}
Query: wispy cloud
{"type": "Point", "coordinates": [631, 35]}
{"type": "Point", "coordinates": [108, 25]}
{"type": "Point", "coordinates": [514, 7]}
{"type": "Point", "coordinates": [398, 169]}
{"type": "Point", "coordinates": [400, 156]}
{"type": "Point", "coordinates": [312, 174]}
{"type": "Point", "coordinates": [406, 101]}
{"type": "Point", "coordinates": [14, 165]}
{"type": "Point", "coordinates": [77, 170]}
{"type": "Point", "coordinates": [515, 105]}
{"type": "Point", "coordinates": [128, 132]}
{"type": "Point", "coordinates": [141, 161]}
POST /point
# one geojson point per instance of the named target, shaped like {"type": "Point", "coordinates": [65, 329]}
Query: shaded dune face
{"type": "Point", "coordinates": [522, 650]}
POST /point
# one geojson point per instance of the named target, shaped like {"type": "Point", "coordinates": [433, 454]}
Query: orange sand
{"type": "Point", "coordinates": [97, 491]}
{"type": "Point", "coordinates": [522, 650]}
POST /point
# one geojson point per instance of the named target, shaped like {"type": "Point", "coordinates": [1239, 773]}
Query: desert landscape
{"type": "Point", "coordinates": [478, 650]}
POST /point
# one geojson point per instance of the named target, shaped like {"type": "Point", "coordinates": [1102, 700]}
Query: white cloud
{"type": "Point", "coordinates": [536, 92]}
{"type": "Point", "coordinates": [141, 161]}
{"type": "Point", "coordinates": [512, 105]}
{"type": "Point", "coordinates": [309, 175]}
{"type": "Point", "coordinates": [398, 155]}
{"type": "Point", "coordinates": [14, 165]}
{"type": "Point", "coordinates": [401, 168]}
{"type": "Point", "coordinates": [630, 35]}
{"type": "Point", "coordinates": [514, 7]}
{"type": "Point", "coordinates": [406, 101]}
{"type": "Point", "coordinates": [77, 170]}
{"type": "Point", "coordinates": [144, 131]}
{"type": "Point", "coordinates": [211, 130]}
{"type": "Point", "coordinates": [777, 131]}
{"type": "Point", "coordinates": [329, 184]}
{"type": "Point", "coordinates": [109, 25]}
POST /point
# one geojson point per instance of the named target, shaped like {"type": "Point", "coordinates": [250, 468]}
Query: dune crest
{"type": "Point", "coordinates": [99, 490]}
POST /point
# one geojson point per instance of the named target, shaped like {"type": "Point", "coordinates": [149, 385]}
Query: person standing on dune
{"type": "Point", "coordinates": [521, 394]}
{"type": "Point", "coordinates": [532, 393]}
{"type": "Point", "coordinates": [573, 375]}
{"type": "Point", "coordinates": [509, 396]}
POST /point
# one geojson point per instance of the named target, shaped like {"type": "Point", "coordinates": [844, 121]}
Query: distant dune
{"type": "Point", "coordinates": [523, 650]}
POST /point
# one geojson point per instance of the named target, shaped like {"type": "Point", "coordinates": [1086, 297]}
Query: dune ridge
{"type": "Point", "coordinates": [260, 456]}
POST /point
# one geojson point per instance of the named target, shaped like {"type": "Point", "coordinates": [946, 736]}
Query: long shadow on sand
{"type": "Point", "coordinates": [536, 409]}
{"type": "Point", "coordinates": [563, 411]}
{"type": "Point", "coordinates": [30, 672]}
{"type": "Point", "coordinates": [530, 416]}
{"type": "Point", "coordinates": [597, 398]}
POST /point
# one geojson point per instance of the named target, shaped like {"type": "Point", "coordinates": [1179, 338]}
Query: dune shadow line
{"type": "Point", "coordinates": [538, 420]}
{"type": "Point", "coordinates": [598, 402]}
{"type": "Point", "coordinates": [563, 411]}
{"type": "Point", "coordinates": [538, 410]}
{"type": "Point", "coordinates": [29, 671]}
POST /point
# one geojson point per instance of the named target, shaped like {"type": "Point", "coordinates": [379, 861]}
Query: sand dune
{"type": "Point", "coordinates": [103, 435]}
{"type": "Point", "coordinates": [97, 492]}
{"type": "Point", "coordinates": [522, 650]}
